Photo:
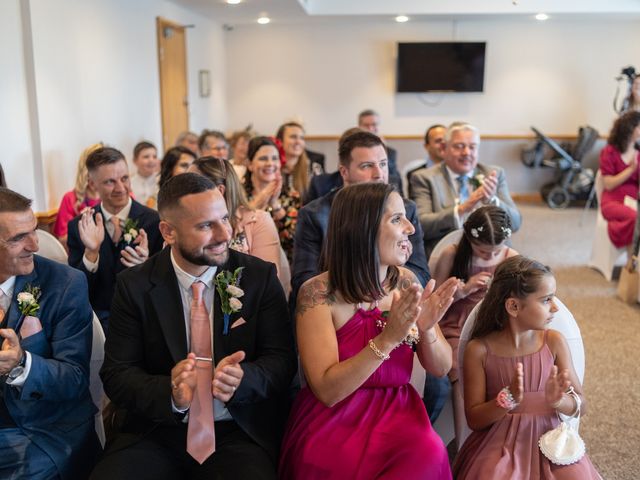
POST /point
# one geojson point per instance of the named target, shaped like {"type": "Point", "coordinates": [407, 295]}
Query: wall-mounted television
{"type": "Point", "coordinates": [440, 67]}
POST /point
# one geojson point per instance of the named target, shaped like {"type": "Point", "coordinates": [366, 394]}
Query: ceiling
{"type": "Point", "coordinates": [299, 11]}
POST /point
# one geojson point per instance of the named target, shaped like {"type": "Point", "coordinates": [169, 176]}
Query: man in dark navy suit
{"type": "Point", "coordinates": [116, 234]}
{"type": "Point", "coordinates": [47, 428]}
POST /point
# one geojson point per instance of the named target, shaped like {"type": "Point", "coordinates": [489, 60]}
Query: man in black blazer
{"type": "Point", "coordinates": [116, 234]}
{"type": "Point", "coordinates": [149, 372]}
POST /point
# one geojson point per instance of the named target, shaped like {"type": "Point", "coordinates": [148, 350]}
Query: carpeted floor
{"type": "Point", "coordinates": [610, 331]}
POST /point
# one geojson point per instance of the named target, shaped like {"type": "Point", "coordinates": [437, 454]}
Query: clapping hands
{"type": "Point", "coordinates": [137, 252]}
{"type": "Point", "coordinates": [91, 233]}
{"type": "Point", "coordinates": [556, 385]}
{"type": "Point", "coordinates": [434, 304]}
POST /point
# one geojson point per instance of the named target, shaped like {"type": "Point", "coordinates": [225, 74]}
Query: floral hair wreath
{"type": "Point", "coordinates": [475, 232]}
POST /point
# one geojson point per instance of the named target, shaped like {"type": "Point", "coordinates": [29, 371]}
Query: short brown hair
{"type": "Point", "coordinates": [103, 156]}
{"type": "Point", "coordinates": [359, 138]}
{"type": "Point", "coordinates": [180, 186]}
{"type": "Point", "coordinates": [11, 201]}
{"type": "Point", "coordinates": [350, 251]}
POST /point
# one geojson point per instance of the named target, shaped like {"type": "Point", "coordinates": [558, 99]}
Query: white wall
{"type": "Point", "coordinates": [555, 75]}
{"type": "Point", "coordinates": [96, 79]}
{"type": "Point", "coordinates": [17, 157]}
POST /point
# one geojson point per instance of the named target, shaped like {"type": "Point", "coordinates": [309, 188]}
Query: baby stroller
{"type": "Point", "coordinates": [572, 182]}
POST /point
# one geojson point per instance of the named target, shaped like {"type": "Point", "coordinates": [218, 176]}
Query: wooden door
{"type": "Point", "coordinates": [172, 58]}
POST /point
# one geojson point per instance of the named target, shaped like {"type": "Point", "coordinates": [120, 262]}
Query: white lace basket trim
{"type": "Point", "coordinates": [562, 445]}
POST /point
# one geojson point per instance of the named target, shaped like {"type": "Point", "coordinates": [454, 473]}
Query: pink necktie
{"type": "Point", "coordinates": [201, 438]}
{"type": "Point", "coordinates": [117, 230]}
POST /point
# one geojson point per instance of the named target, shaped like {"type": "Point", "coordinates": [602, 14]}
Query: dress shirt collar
{"type": "Point", "coordinates": [186, 279]}
{"type": "Point", "coordinates": [454, 176]}
{"type": "Point", "coordinates": [122, 214]}
{"type": "Point", "coordinates": [8, 285]}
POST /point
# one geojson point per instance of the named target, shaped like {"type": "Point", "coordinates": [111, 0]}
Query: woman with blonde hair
{"type": "Point", "coordinates": [297, 169]}
{"type": "Point", "coordinates": [75, 201]}
{"type": "Point", "coordinates": [254, 232]}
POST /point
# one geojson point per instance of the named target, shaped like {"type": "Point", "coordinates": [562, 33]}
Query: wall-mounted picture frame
{"type": "Point", "coordinates": [204, 83]}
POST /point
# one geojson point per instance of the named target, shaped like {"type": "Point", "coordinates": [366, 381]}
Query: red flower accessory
{"type": "Point", "coordinates": [283, 158]}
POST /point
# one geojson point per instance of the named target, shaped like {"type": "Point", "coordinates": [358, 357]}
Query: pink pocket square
{"type": "Point", "coordinates": [30, 326]}
{"type": "Point", "coordinates": [238, 322]}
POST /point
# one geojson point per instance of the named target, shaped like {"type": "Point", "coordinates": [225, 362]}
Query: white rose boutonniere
{"type": "Point", "coordinates": [229, 291]}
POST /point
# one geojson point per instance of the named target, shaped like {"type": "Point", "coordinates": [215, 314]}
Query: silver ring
{"type": "Point", "coordinates": [173, 385]}
{"type": "Point", "coordinates": [234, 388]}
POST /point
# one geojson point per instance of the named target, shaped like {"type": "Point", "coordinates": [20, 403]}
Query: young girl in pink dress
{"type": "Point", "coordinates": [516, 380]}
{"type": "Point", "coordinates": [359, 418]}
{"type": "Point", "coordinates": [473, 261]}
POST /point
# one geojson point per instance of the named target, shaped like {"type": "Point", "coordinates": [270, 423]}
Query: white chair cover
{"type": "Point", "coordinates": [95, 383]}
{"type": "Point", "coordinates": [448, 239]}
{"type": "Point", "coordinates": [563, 321]}
{"type": "Point", "coordinates": [604, 255]}
{"type": "Point", "coordinates": [50, 247]}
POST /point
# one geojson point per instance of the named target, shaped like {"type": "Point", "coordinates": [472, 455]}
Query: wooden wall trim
{"type": "Point", "coordinates": [420, 138]}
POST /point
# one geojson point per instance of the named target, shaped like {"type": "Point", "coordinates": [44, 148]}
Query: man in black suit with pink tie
{"type": "Point", "coordinates": [154, 364]}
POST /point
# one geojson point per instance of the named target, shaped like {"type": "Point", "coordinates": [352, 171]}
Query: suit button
{"type": "Point", "coordinates": [36, 395]}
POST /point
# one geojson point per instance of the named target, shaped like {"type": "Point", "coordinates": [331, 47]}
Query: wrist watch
{"type": "Point", "coordinates": [19, 368]}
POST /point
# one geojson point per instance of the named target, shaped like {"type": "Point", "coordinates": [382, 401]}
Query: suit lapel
{"type": "Point", "coordinates": [220, 341]}
{"type": "Point", "coordinates": [449, 190]}
{"type": "Point", "coordinates": [21, 282]}
{"type": "Point", "coordinates": [167, 302]}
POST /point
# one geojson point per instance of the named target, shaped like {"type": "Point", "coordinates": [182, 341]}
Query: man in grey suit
{"type": "Point", "coordinates": [448, 192]}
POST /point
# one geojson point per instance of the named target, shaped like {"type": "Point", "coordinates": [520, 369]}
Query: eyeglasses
{"type": "Point", "coordinates": [459, 147]}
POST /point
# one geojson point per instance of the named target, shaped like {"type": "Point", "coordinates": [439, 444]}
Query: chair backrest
{"type": "Point", "coordinates": [95, 383]}
{"type": "Point", "coordinates": [563, 321]}
{"type": "Point", "coordinates": [50, 247]}
{"type": "Point", "coordinates": [448, 239]}
{"type": "Point", "coordinates": [598, 184]}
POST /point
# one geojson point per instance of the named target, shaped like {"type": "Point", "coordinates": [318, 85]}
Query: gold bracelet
{"type": "Point", "coordinates": [379, 353]}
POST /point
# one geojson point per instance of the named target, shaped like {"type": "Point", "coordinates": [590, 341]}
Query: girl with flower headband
{"type": "Point", "coordinates": [517, 378]}
{"type": "Point", "coordinates": [267, 190]}
{"type": "Point", "coordinates": [473, 261]}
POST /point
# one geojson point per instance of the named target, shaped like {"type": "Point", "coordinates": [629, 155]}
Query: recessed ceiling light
{"type": "Point", "coordinates": [263, 20]}
{"type": "Point", "coordinates": [402, 18]}
{"type": "Point", "coordinates": [233, 2]}
{"type": "Point", "coordinates": [542, 17]}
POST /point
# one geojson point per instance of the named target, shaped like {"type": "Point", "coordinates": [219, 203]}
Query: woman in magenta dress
{"type": "Point", "coordinates": [472, 261]}
{"type": "Point", "coordinates": [516, 380]}
{"type": "Point", "coordinates": [620, 175]}
{"type": "Point", "coordinates": [359, 418]}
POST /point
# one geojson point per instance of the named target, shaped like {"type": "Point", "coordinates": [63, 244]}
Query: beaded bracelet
{"type": "Point", "coordinates": [379, 353]}
{"type": "Point", "coordinates": [505, 399]}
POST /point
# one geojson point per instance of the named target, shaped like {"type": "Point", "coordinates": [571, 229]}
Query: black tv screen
{"type": "Point", "coordinates": [440, 67]}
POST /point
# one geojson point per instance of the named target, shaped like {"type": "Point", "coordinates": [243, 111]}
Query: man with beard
{"type": "Point", "coordinates": [174, 368]}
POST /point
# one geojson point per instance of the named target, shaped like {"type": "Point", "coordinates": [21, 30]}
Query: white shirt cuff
{"type": "Point", "coordinates": [92, 267]}
{"type": "Point", "coordinates": [19, 381]}
{"type": "Point", "coordinates": [180, 410]}
{"type": "Point", "coordinates": [456, 217]}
